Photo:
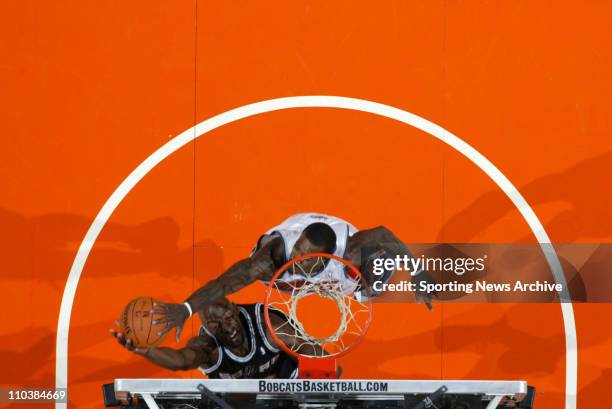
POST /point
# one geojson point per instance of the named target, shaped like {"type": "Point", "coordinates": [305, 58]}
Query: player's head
{"type": "Point", "coordinates": [316, 238]}
{"type": "Point", "coordinates": [222, 319]}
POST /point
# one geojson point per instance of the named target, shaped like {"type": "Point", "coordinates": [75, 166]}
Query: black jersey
{"type": "Point", "coordinates": [262, 361]}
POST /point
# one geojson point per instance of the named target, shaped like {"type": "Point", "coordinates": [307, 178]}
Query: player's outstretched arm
{"type": "Point", "coordinates": [384, 239]}
{"type": "Point", "coordinates": [197, 353]}
{"type": "Point", "coordinates": [259, 266]}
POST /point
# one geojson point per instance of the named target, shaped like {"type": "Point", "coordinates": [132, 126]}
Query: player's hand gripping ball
{"type": "Point", "coordinates": [137, 324]}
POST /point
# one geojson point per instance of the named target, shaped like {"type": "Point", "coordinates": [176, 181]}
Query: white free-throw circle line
{"type": "Point", "coordinates": [317, 101]}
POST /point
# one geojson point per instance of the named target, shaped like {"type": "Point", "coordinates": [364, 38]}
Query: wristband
{"type": "Point", "coordinates": [186, 304]}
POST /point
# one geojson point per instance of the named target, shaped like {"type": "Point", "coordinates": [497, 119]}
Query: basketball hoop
{"type": "Point", "coordinates": [317, 280]}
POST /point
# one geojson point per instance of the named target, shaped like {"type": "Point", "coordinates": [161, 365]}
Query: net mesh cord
{"type": "Point", "coordinates": [323, 285]}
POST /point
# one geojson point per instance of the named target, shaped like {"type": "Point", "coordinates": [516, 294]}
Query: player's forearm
{"type": "Point", "coordinates": [237, 277]}
{"type": "Point", "coordinates": [169, 358]}
{"type": "Point", "coordinates": [206, 294]}
{"type": "Point", "coordinates": [395, 247]}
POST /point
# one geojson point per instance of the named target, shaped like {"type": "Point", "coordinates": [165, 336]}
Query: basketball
{"type": "Point", "coordinates": [136, 323]}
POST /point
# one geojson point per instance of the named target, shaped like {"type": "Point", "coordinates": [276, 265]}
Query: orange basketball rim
{"type": "Point", "coordinates": [321, 278]}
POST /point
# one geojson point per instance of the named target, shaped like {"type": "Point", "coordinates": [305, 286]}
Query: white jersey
{"type": "Point", "coordinates": [291, 229]}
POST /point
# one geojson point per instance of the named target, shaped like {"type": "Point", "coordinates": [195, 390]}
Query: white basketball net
{"type": "Point", "coordinates": [298, 282]}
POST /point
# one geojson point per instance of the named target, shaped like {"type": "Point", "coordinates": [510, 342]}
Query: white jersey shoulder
{"type": "Point", "coordinates": [291, 229]}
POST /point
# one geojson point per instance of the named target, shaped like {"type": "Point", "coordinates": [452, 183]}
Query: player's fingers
{"type": "Point", "coordinates": [179, 329]}
{"type": "Point", "coordinates": [161, 320]}
{"type": "Point", "coordinates": [165, 330]}
{"type": "Point", "coordinates": [120, 338]}
{"type": "Point", "coordinates": [162, 312]}
{"type": "Point", "coordinates": [140, 351]}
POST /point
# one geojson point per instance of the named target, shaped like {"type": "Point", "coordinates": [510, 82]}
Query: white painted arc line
{"type": "Point", "coordinates": [314, 102]}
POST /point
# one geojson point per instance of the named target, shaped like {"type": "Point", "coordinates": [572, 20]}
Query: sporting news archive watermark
{"type": "Point", "coordinates": [461, 272]}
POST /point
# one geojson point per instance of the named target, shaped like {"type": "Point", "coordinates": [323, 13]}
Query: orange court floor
{"type": "Point", "coordinates": [91, 89]}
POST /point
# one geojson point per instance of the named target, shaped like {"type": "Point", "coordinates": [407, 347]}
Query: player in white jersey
{"type": "Point", "coordinates": [300, 234]}
{"type": "Point", "coordinates": [290, 231]}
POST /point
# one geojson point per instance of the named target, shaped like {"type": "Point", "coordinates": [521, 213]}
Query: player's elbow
{"type": "Point", "coordinates": [383, 232]}
{"type": "Point", "coordinates": [381, 229]}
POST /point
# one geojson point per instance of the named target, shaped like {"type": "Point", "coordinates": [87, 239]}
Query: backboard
{"type": "Point", "coordinates": [317, 393]}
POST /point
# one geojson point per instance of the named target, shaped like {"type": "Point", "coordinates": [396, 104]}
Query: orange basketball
{"type": "Point", "coordinates": [137, 323]}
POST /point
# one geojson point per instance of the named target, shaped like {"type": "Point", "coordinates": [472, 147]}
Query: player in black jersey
{"type": "Point", "coordinates": [233, 343]}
